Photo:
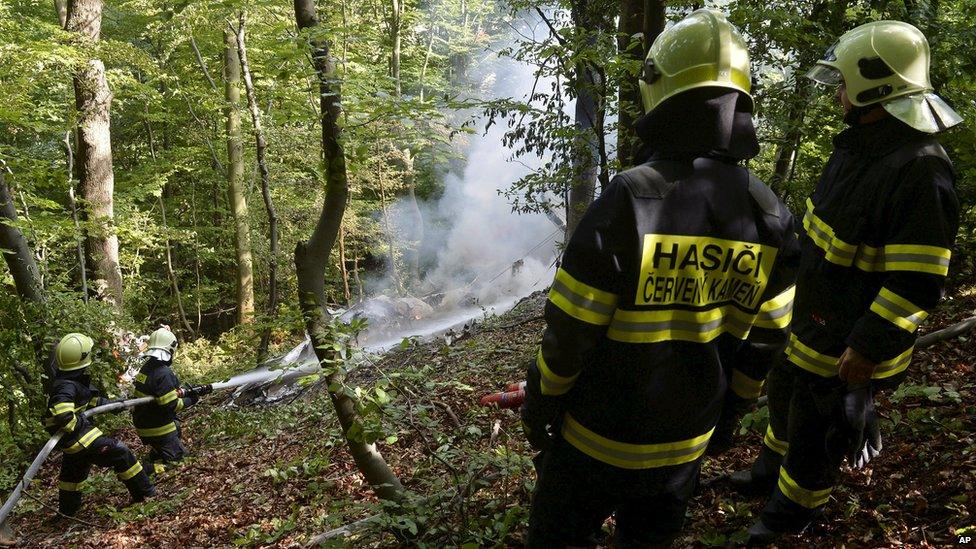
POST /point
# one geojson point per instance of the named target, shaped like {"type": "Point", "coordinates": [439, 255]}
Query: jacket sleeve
{"type": "Point", "coordinates": [182, 402]}
{"type": "Point", "coordinates": [922, 223]}
{"type": "Point", "coordinates": [61, 408]}
{"type": "Point", "coordinates": [166, 391]}
{"type": "Point", "coordinates": [582, 299]}
{"type": "Point", "coordinates": [771, 330]}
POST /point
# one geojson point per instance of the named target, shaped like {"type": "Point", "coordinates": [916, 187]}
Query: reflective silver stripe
{"type": "Point", "coordinates": [827, 240]}
{"type": "Point", "coordinates": [633, 456]}
{"type": "Point", "coordinates": [580, 301]}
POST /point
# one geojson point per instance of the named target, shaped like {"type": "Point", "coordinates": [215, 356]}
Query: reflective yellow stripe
{"type": "Point", "coordinates": [807, 498]}
{"type": "Point", "coordinates": [869, 258]}
{"type": "Point", "coordinates": [179, 405]}
{"type": "Point", "coordinates": [70, 486]}
{"type": "Point", "coordinates": [84, 441]}
{"type": "Point", "coordinates": [581, 301]}
{"type": "Point", "coordinates": [633, 456]}
{"type": "Point", "coordinates": [91, 403]}
{"type": "Point", "coordinates": [745, 386]}
{"type": "Point", "coordinates": [131, 471]}
{"type": "Point", "coordinates": [62, 407]}
{"type": "Point", "coordinates": [773, 443]}
{"type": "Point", "coordinates": [777, 313]}
{"type": "Point", "coordinates": [141, 377]}
{"type": "Point", "coordinates": [918, 258]}
{"type": "Point", "coordinates": [898, 310]}
{"type": "Point", "coordinates": [159, 467]}
{"type": "Point", "coordinates": [70, 426]}
{"type": "Point", "coordinates": [826, 365]}
{"type": "Point", "coordinates": [835, 250]}
{"type": "Point", "coordinates": [157, 431]}
{"type": "Point", "coordinates": [139, 394]}
{"type": "Point", "coordinates": [675, 324]}
{"type": "Point", "coordinates": [167, 398]}
{"type": "Point", "coordinates": [552, 383]}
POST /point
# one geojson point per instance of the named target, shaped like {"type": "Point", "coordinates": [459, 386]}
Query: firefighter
{"type": "Point", "coordinates": [82, 443]}
{"type": "Point", "coordinates": [674, 293]}
{"type": "Point", "coordinates": [876, 241]}
{"type": "Point", "coordinates": [156, 423]}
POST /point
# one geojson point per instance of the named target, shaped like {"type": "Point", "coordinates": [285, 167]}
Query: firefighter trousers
{"type": "Point", "coordinates": [575, 494]}
{"type": "Point", "coordinates": [104, 452]}
{"type": "Point", "coordinates": [164, 451]}
{"type": "Point", "coordinates": [794, 456]}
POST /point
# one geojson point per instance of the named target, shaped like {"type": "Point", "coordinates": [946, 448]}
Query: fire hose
{"type": "Point", "coordinates": [511, 398]}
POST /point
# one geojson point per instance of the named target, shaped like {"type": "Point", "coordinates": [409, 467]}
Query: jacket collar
{"type": "Point", "coordinates": [876, 139]}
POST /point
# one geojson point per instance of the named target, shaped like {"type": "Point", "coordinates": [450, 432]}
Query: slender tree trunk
{"type": "Point", "coordinates": [395, 23]}
{"type": "Point", "coordinates": [79, 236]}
{"type": "Point", "coordinates": [312, 257]}
{"type": "Point", "coordinates": [170, 272]}
{"type": "Point", "coordinates": [61, 7]}
{"type": "Point", "coordinates": [16, 251]}
{"type": "Point", "coordinates": [630, 46]}
{"type": "Point", "coordinates": [93, 101]}
{"type": "Point", "coordinates": [387, 227]}
{"type": "Point", "coordinates": [417, 236]}
{"type": "Point", "coordinates": [261, 146]}
{"type": "Point", "coordinates": [589, 149]}
{"type": "Point", "coordinates": [655, 18]}
{"type": "Point", "coordinates": [423, 69]}
{"type": "Point", "coordinates": [235, 180]}
{"type": "Point", "coordinates": [342, 265]}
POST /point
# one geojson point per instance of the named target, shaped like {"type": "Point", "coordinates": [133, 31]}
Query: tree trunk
{"type": "Point", "coordinates": [93, 101]}
{"type": "Point", "coordinates": [342, 266]}
{"type": "Point", "coordinates": [395, 23]}
{"type": "Point", "coordinates": [235, 181]}
{"type": "Point", "coordinates": [417, 238]}
{"type": "Point", "coordinates": [61, 6]}
{"type": "Point", "coordinates": [261, 147]}
{"type": "Point", "coordinates": [312, 256]}
{"type": "Point", "coordinates": [630, 47]}
{"type": "Point", "coordinates": [589, 148]}
{"type": "Point", "coordinates": [16, 251]}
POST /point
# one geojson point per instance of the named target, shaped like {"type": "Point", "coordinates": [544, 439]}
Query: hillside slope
{"type": "Point", "coordinates": [278, 475]}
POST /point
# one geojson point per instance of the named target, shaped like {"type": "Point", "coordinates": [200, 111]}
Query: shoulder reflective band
{"type": "Point", "coordinates": [777, 313]}
{"type": "Point", "coordinates": [131, 471]}
{"type": "Point", "coordinates": [682, 325]}
{"type": "Point", "coordinates": [70, 486]}
{"type": "Point", "coordinates": [552, 383]}
{"type": "Point", "coordinates": [633, 456]}
{"type": "Point", "coordinates": [84, 442]}
{"type": "Point", "coordinates": [167, 398]}
{"type": "Point", "coordinates": [826, 365]}
{"type": "Point", "coordinates": [810, 499]}
{"type": "Point", "coordinates": [898, 310]}
{"type": "Point", "coordinates": [62, 407]}
{"type": "Point", "coordinates": [774, 443]}
{"type": "Point", "coordinates": [835, 250]}
{"type": "Point", "coordinates": [581, 301]}
{"type": "Point", "coordinates": [157, 431]}
{"type": "Point", "coordinates": [744, 386]}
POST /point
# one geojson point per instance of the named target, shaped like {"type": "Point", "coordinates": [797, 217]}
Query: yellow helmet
{"type": "Point", "coordinates": [73, 352]}
{"type": "Point", "coordinates": [887, 62]}
{"type": "Point", "coordinates": [163, 340]}
{"type": "Point", "coordinates": [701, 50]}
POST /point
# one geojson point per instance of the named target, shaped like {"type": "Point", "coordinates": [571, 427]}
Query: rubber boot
{"type": "Point", "coordinates": [747, 483]}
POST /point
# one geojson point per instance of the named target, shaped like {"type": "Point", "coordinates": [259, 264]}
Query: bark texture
{"type": "Point", "coordinates": [93, 161]}
{"type": "Point", "coordinates": [16, 251]}
{"type": "Point", "coordinates": [312, 256]}
{"type": "Point", "coordinates": [235, 180]}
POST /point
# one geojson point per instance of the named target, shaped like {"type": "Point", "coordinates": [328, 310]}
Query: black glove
{"type": "Point", "coordinates": [855, 433]}
{"type": "Point", "coordinates": [728, 423]}
{"type": "Point", "coordinates": [539, 421]}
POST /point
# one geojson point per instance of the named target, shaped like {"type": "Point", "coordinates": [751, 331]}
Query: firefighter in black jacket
{"type": "Point", "coordinates": [156, 423]}
{"type": "Point", "coordinates": [876, 241]}
{"type": "Point", "coordinates": [82, 443]}
{"type": "Point", "coordinates": [674, 293]}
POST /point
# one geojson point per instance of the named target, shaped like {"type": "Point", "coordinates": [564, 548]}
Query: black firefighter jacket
{"type": "Point", "coordinates": [676, 286]}
{"type": "Point", "coordinates": [876, 242]}
{"type": "Point", "coordinates": [156, 379]}
{"type": "Point", "coordinates": [70, 396]}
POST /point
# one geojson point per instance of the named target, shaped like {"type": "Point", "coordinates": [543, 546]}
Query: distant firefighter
{"type": "Point", "coordinates": [83, 443]}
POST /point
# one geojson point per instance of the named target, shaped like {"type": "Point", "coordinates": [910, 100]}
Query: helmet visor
{"type": "Point", "coordinates": [828, 76]}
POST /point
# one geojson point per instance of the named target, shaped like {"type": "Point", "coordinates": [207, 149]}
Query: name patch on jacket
{"type": "Point", "coordinates": [701, 271]}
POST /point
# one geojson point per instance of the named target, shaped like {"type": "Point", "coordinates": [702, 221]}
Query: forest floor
{"type": "Point", "coordinates": [278, 475]}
